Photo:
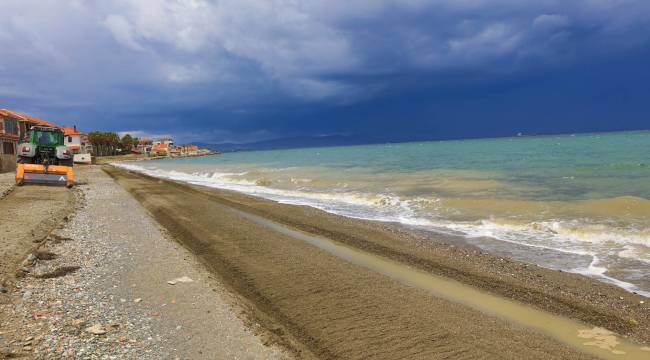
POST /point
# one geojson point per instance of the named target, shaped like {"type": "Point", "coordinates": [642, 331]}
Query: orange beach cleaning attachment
{"type": "Point", "coordinates": [43, 174]}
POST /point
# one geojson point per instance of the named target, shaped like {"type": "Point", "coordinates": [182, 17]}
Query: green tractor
{"type": "Point", "coordinates": [44, 158]}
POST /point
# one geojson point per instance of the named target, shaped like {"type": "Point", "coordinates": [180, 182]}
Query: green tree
{"type": "Point", "coordinates": [127, 143]}
{"type": "Point", "coordinates": [104, 142]}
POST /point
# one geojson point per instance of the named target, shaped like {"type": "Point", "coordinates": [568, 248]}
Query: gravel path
{"type": "Point", "coordinates": [110, 294]}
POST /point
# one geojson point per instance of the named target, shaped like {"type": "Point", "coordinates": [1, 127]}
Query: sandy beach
{"type": "Point", "coordinates": [253, 278]}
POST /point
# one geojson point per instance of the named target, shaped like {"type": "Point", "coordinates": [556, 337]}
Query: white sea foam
{"type": "Point", "coordinates": [593, 270]}
{"type": "Point", "coordinates": [227, 181]}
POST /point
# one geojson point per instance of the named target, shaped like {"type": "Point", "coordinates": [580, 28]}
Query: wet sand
{"type": "Point", "coordinates": [321, 305]}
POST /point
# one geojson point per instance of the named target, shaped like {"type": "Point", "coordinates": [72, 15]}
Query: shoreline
{"type": "Point", "coordinates": [520, 241]}
{"type": "Point", "coordinates": [284, 297]}
{"type": "Point", "coordinates": [570, 295]}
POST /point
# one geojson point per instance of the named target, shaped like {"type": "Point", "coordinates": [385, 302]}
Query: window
{"type": "Point", "coordinates": [8, 148]}
{"type": "Point", "coordinates": [47, 138]}
{"type": "Point", "coordinates": [11, 126]}
{"type": "Point", "coordinates": [69, 139]}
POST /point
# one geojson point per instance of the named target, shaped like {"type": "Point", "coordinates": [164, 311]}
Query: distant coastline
{"type": "Point", "coordinates": [311, 142]}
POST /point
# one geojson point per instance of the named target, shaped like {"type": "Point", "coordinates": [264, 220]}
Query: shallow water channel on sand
{"type": "Point", "coordinates": [597, 341]}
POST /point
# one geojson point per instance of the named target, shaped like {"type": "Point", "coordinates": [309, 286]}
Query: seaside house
{"type": "Point", "coordinates": [79, 144]}
{"type": "Point", "coordinates": [77, 141]}
{"type": "Point", "coordinates": [176, 151]}
{"type": "Point", "coordinates": [184, 150]}
{"type": "Point", "coordinates": [30, 121]}
{"type": "Point", "coordinates": [163, 147]}
{"type": "Point", "coordinates": [167, 141]}
{"type": "Point", "coordinates": [159, 150]}
{"type": "Point", "coordinates": [9, 139]}
{"type": "Point", "coordinates": [73, 139]}
{"type": "Point", "coordinates": [144, 146]}
{"type": "Point", "coordinates": [190, 150]}
{"type": "Point", "coordinates": [26, 122]}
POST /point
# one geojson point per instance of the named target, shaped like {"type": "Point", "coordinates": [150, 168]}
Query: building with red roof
{"type": "Point", "coordinates": [76, 141]}
{"type": "Point", "coordinates": [160, 150]}
{"type": "Point", "coordinates": [13, 129]}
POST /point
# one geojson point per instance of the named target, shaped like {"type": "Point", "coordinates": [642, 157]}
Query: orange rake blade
{"type": "Point", "coordinates": [39, 174]}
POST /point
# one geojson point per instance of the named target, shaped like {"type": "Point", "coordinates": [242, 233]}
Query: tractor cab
{"type": "Point", "coordinates": [47, 138]}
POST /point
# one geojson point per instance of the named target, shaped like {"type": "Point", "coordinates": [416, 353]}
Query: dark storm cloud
{"type": "Point", "coordinates": [244, 69]}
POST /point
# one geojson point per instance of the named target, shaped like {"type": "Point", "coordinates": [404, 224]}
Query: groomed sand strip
{"type": "Point", "coordinates": [337, 309]}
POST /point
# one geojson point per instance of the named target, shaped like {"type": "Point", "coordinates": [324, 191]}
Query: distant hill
{"type": "Point", "coordinates": [293, 143]}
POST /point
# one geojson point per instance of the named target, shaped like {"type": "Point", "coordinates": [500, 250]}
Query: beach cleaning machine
{"type": "Point", "coordinates": [44, 158]}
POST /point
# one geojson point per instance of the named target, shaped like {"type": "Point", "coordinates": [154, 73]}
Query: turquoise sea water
{"type": "Point", "coordinates": [574, 202]}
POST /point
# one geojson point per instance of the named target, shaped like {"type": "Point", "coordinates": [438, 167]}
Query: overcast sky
{"type": "Point", "coordinates": [244, 70]}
